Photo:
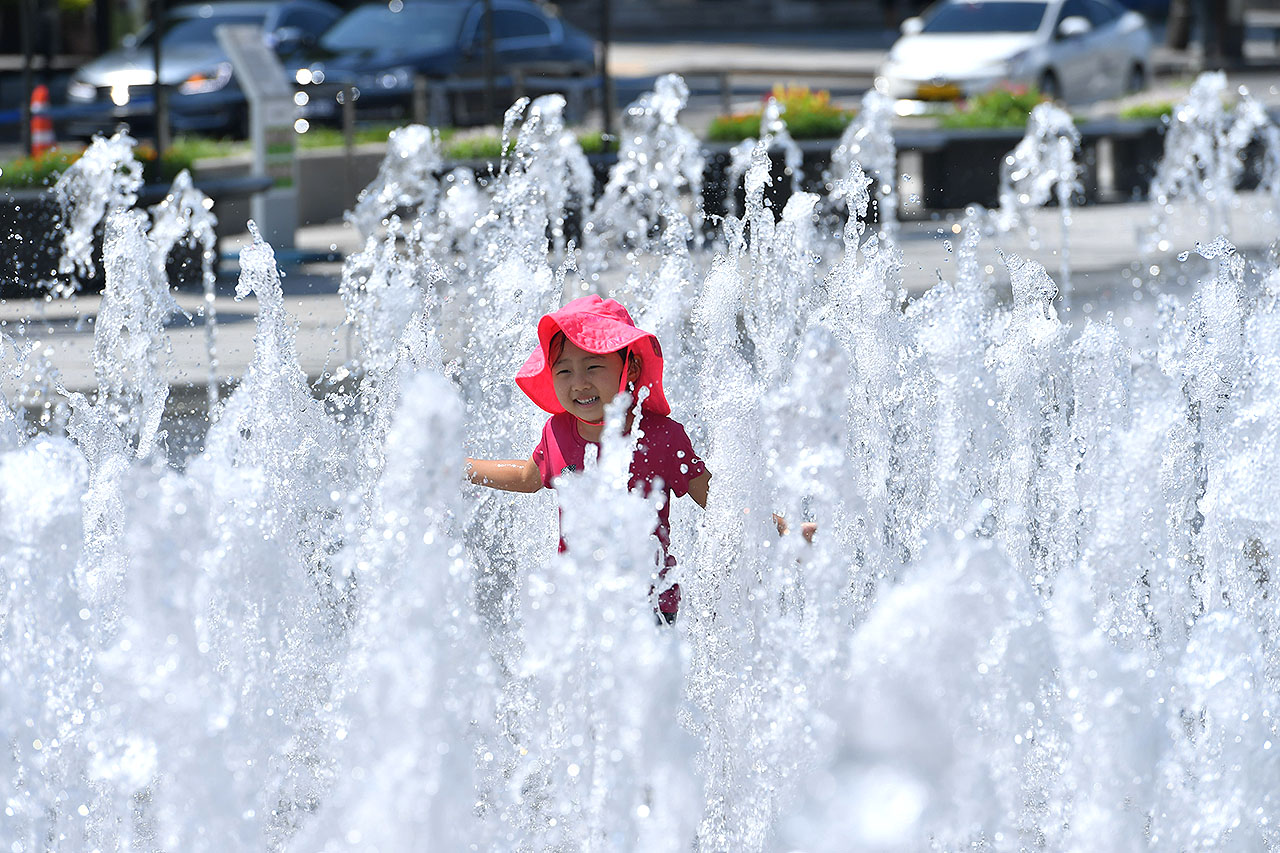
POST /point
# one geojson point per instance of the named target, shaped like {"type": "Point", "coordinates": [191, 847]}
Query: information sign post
{"type": "Point", "coordinates": [271, 116]}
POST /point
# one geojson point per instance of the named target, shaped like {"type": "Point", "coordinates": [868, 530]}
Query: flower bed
{"type": "Point", "coordinates": [808, 114]}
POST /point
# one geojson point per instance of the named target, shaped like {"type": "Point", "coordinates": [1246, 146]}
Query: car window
{"type": "Point", "coordinates": [514, 24]}
{"type": "Point", "coordinates": [197, 30]}
{"type": "Point", "coordinates": [979, 17]}
{"type": "Point", "coordinates": [309, 20]}
{"type": "Point", "coordinates": [420, 26]}
{"type": "Point", "coordinates": [1102, 13]}
{"type": "Point", "coordinates": [1074, 9]}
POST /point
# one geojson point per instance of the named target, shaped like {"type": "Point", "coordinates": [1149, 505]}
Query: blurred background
{"type": "Point", "coordinates": [631, 40]}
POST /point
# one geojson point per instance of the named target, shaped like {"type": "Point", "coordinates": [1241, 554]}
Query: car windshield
{"type": "Point", "coordinates": [417, 26]}
{"type": "Point", "coordinates": [197, 30]}
{"type": "Point", "coordinates": [978, 17]}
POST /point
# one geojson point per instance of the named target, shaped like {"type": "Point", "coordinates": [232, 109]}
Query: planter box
{"type": "Point", "coordinates": [31, 222]}
{"type": "Point", "coordinates": [324, 184]}
{"type": "Point", "coordinates": [815, 162]}
{"type": "Point", "coordinates": [1136, 149]}
{"type": "Point", "coordinates": [960, 167]}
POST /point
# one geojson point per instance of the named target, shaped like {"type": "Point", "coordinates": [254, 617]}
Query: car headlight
{"type": "Point", "coordinates": [207, 81]}
{"type": "Point", "coordinates": [78, 90]}
{"type": "Point", "coordinates": [391, 78]}
{"type": "Point", "coordinates": [1019, 64]}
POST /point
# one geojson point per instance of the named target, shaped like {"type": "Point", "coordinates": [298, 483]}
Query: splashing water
{"type": "Point", "coordinates": [869, 140]}
{"type": "Point", "coordinates": [1203, 154]}
{"type": "Point", "coordinates": [105, 178]}
{"type": "Point", "coordinates": [1038, 613]}
{"type": "Point", "coordinates": [659, 169]}
{"type": "Point", "coordinates": [130, 349]}
{"type": "Point", "coordinates": [185, 218]}
{"type": "Point", "coordinates": [1042, 166]}
{"type": "Point", "coordinates": [406, 178]}
{"type": "Point", "coordinates": [773, 136]}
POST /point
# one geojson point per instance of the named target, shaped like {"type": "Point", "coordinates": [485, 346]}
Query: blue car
{"type": "Point", "coordinates": [204, 96]}
{"type": "Point", "coordinates": [379, 48]}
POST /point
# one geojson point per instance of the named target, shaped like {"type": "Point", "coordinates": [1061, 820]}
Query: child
{"type": "Point", "coordinates": [589, 352]}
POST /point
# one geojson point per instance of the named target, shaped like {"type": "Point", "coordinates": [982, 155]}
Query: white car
{"type": "Point", "coordinates": [1075, 51]}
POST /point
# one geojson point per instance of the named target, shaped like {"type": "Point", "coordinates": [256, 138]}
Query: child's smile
{"type": "Point", "coordinates": [586, 382]}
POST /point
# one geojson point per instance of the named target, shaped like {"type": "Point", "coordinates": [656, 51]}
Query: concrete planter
{"type": "Point", "coordinates": [960, 167]}
{"type": "Point", "coordinates": [1136, 149]}
{"type": "Point", "coordinates": [327, 184]}
{"type": "Point", "coordinates": [31, 222]}
{"type": "Point", "coordinates": [956, 168]}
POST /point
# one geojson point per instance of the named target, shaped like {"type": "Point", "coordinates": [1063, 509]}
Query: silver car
{"type": "Point", "coordinates": [203, 93]}
{"type": "Point", "coordinates": [1072, 50]}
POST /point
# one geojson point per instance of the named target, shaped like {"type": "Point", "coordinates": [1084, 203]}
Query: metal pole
{"type": "Point", "coordinates": [349, 141]}
{"type": "Point", "coordinates": [102, 12]}
{"type": "Point", "coordinates": [161, 98]}
{"type": "Point", "coordinates": [27, 80]}
{"type": "Point", "coordinates": [421, 111]}
{"type": "Point", "coordinates": [490, 95]}
{"type": "Point", "coordinates": [606, 81]}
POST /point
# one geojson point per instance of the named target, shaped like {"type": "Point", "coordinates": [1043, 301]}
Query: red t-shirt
{"type": "Point", "coordinates": [663, 454]}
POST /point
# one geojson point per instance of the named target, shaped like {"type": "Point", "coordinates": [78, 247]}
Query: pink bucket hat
{"type": "Point", "coordinates": [597, 326]}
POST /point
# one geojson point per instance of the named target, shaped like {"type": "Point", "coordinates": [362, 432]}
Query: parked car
{"type": "Point", "coordinates": [1072, 50]}
{"type": "Point", "coordinates": [203, 93]}
{"type": "Point", "coordinates": [380, 47]}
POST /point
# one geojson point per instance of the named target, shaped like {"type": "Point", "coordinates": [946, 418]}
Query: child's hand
{"type": "Point", "coordinates": [807, 529]}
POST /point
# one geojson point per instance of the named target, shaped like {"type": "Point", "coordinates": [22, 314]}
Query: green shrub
{"type": "Point", "coordinates": [488, 146]}
{"type": "Point", "coordinates": [38, 171]}
{"type": "Point", "coordinates": [322, 136]}
{"type": "Point", "coordinates": [817, 125]}
{"type": "Point", "coordinates": [597, 143]}
{"type": "Point", "coordinates": [997, 108]}
{"type": "Point", "coordinates": [45, 169]}
{"type": "Point", "coordinates": [1151, 110]}
{"type": "Point", "coordinates": [203, 148]}
{"type": "Point", "coordinates": [734, 128]}
{"type": "Point", "coordinates": [164, 169]}
{"type": "Point", "coordinates": [808, 114]}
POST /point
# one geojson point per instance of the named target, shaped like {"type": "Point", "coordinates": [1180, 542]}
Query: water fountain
{"type": "Point", "coordinates": [1205, 154]}
{"type": "Point", "coordinates": [1042, 166]}
{"type": "Point", "coordinates": [868, 140]}
{"type": "Point", "coordinates": [1038, 613]}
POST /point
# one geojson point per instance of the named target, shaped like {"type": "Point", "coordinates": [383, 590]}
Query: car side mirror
{"type": "Point", "coordinates": [913, 26]}
{"type": "Point", "coordinates": [287, 39]}
{"type": "Point", "coordinates": [1074, 26]}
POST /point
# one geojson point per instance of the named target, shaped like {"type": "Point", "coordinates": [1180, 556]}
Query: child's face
{"type": "Point", "coordinates": [585, 382]}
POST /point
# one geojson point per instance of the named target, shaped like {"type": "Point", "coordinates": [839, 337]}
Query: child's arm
{"type": "Point", "coordinates": [510, 475]}
{"type": "Point", "coordinates": [698, 488]}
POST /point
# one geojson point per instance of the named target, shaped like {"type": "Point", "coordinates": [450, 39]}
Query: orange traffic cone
{"type": "Point", "coordinates": [41, 124]}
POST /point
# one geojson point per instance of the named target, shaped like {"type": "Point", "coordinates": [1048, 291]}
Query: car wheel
{"type": "Point", "coordinates": [1049, 86]}
{"type": "Point", "coordinates": [1137, 79]}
